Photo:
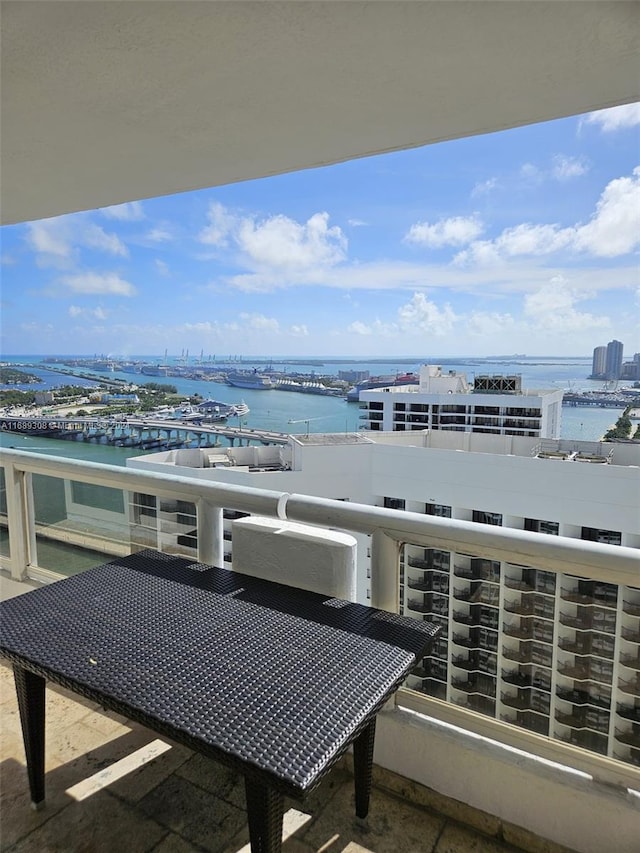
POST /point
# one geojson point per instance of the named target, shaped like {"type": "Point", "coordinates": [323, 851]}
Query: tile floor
{"type": "Point", "coordinates": [115, 786]}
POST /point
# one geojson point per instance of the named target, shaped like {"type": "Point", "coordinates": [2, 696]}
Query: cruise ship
{"type": "Point", "coordinates": [353, 394]}
{"type": "Point", "coordinates": [253, 381]}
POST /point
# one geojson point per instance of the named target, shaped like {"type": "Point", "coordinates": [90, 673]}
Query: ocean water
{"type": "Point", "coordinates": [296, 413]}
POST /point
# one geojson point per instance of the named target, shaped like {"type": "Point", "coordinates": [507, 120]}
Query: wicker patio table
{"type": "Point", "coordinates": [271, 680]}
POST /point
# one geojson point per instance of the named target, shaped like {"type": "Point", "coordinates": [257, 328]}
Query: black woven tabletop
{"type": "Point", "coordinates": [262, 675]}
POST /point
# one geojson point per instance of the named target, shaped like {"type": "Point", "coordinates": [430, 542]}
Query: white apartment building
{"type": "Point", "coordinates": [445, 401]}
{"type": "Point", "coordinates": [555, 654]}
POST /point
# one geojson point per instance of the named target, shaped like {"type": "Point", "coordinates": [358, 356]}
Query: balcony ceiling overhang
{"type": "Point", "coordinates": [107, 102]}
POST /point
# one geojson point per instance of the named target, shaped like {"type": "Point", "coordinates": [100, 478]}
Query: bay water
{"type": "Point", "coordinates": [296, 413]}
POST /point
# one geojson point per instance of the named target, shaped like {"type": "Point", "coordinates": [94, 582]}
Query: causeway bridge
{"type": "Point", "coordinates": [147, 433]}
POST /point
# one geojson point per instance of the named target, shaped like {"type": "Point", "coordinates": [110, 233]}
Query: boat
{"type": "Point", "coordinates": [253, 381]}
{"type": "Point", "coordinates": [240, 409]}
{"type": "Point", "coordinates": [215, 411]}
{"type": "Point", "coordinates": [353, 395]}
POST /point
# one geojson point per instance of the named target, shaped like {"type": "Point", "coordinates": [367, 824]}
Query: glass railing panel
{"type": "Point", "coordinates": [5, 550]}
{"type": "Point", "coordinates": [77, 525]}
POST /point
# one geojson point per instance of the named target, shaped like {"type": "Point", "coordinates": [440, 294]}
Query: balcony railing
{"type": "Point", "coordinates": [129, 509]}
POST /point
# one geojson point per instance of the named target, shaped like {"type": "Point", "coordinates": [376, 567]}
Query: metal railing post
{"type": "Point", "coordinates": [19, 523]}
{"type": "Point", "coordinates": [210, 533]}
{"type": "Point", "coordinates": [385, 571]}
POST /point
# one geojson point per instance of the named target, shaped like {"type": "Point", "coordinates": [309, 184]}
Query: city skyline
{"type": "Point", "coordinates": [609, 362]}
{"type": "Point", "coordinates": [523, 241]}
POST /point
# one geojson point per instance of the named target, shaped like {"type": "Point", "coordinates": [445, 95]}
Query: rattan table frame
{"type": "Point", "coordinates": [273, 681]}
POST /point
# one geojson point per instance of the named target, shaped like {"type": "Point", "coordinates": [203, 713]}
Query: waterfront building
{"type": "Point", "coordinates": [558, 655]}
{"type": "Point", "coordinates": [631, 369]}
{"type": "Point", "coordinates": [599, 365]}
{"type": "Point", "coordinates": [445, 401]}
{"type": "Point", "coordinates": [613, 365]}
{"type": "Point", "coordinates": [353, 375]}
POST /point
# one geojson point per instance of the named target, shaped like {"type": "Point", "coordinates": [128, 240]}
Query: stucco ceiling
{"type": "Point", "coordinates": [105, 102]}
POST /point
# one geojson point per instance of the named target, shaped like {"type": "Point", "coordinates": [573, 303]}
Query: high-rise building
{"type": "Point", "coordinates": [444, 401]}
{"type": "Point", "coordinates": [599, 365]}
{"type": "Point", "coordinates": [614, 360]}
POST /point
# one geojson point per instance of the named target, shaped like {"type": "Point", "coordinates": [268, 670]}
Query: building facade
{"type": "Point", "coordinates": [445, 401]}
{"type": "Point", "coordinates": [613, 365]}
{"type": "Point", "coordinates": [599, 364]}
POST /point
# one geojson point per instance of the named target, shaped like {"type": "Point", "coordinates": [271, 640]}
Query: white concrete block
{"type": "Point", "coordinates": [299, 555]}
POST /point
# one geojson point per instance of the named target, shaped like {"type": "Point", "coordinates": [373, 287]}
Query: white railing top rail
{"type": "Point", "coordinates": [610, 563]}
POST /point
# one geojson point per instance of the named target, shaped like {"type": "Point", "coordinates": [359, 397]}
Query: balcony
{"type": "Point", "coordinates": [418, 753]}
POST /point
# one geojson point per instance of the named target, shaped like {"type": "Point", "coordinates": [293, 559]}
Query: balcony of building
{"type": "Point", "coordinates": [450, 729]}
{"type": "Point", "coordinates": [183, 96]}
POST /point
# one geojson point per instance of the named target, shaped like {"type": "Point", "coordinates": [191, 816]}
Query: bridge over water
{"type": "Point", "coordinates": [138, 432]}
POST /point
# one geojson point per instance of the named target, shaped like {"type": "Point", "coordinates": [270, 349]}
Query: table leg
{"type": "Point", "coordinates": [30, 690]}
{"type": "Point", "coordinates": [265, 809]}
{"type": "Point", "coordinates": [363, 767]}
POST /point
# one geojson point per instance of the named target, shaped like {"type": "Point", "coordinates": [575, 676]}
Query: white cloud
{"type": "Point", "coordinates": [130, 211]}
{"type": "Point", "coordinates": [359, 328]}
{"type": "Point", "coordinates": [564, 168]}
{"type": "Point", "coordinates": [94, 313]}
{"type": "Point", "coordinates": [615, 118]}
{"type": "Point", "coordinates": [275, 247]}
{"type": "Point", "coordinates": [49, 237]}
{"type": "Point", "coordinates": [423, 315]}
{"type": "Point", "coordinates": [91, 282]}
{"type": "Point", "coordinates": [552, 309]}
{"type": "Point", "coordinates": [455, 231]}
{"type": "Point", "coordinates": [488, 324]}
{"type": "Point", "coordinates": [531, 173]}
{"type": "Point", "coordinates": [58, 241]}
{"type": "Point", "coordinates": [413, 319]}
{"type": "Point", "coordinates": [484, 187]}
{"type": "Point", "coordinates": [481, 253]}
{"type": "Point", "coordinates": [299, 331]}
{"type": "Point", "coordinates": [96, 237]}
{"type": "Point", "coordinates": [614, 229]}
{"type": "Point", "coordinates": [356, 223]}
{"type": "Point", "coordinates": [261, 323]}
{"type": "Point", "coordinates": [162, 268]}
{"type": "Point", "coordinates": [160, 234]}
{"type": "Point", "coordinates": [221, 223]}
{"type": "Point", "coordinates": [528, 239]}
{"type": "Point", "coordinates": [281, 243]}
{"type": "Point", "coordinates": [199, 328]}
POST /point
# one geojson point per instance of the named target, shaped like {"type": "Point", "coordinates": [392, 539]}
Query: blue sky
{"type": "Point", "coordinates": [521, 241]}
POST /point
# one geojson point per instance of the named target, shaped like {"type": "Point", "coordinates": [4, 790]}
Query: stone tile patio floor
{"type": "Point", "coordinates": [174, 801]}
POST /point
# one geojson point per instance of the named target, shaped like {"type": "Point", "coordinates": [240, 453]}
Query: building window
{"type": "Point", "coordinates": [394, 503]}
{"type": "Point", "coordinates": [437, 509]}
{"type": "Point", "coordinates": [607, 537]}
{"type": "Point", "coordinates": [487, 517]}
{"type": "Point", "coordinates": [487, 410]}
{"type": "Point", "coordinates": [552, 528]}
